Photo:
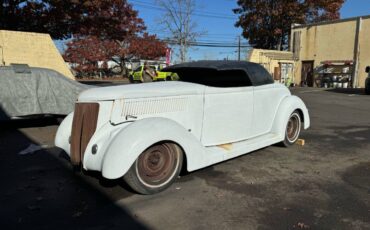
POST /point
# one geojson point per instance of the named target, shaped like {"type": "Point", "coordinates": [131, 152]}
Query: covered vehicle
{"type": "Point", "coordinates": [217, 111]}
{"type": "Point", "coordinates": [27, 91]}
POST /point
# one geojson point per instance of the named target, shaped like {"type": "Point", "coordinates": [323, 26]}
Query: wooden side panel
{"type": "Point", "coordinates": [83, 127]}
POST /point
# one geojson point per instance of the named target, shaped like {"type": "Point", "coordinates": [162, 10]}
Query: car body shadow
{"type": "Point", "coordinates": [356, 91]}
{"type": "Point", "coordinates": [39, 189]}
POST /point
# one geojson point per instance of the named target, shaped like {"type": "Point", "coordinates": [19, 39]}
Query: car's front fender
{"type": "Point", "coordinates": [63, 134]}
{"type": "Point", "coordinates": [287, 106]}
{"type": "Point", "coordinates": [131, 141]}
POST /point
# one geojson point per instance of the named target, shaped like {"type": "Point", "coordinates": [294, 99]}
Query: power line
{"type": "Point", "coordinates": [202, 43]}
{"type": "Point", "coordinates": [226, 37]}
{"type": "Point", "coordinates": [201, 35]}
{"type": "Point", "coordinates": [195, 14]}
{"type": "Point", "coordinates": [198, 11]}
{"type": "Point", "coordinates": [210, 41]}
{"type": "Point", "coordinates": [233, 38]}
{"type": "Point", "coordinates": [226, 43]}
{"type": "Point", "coordinates": [207, 44]}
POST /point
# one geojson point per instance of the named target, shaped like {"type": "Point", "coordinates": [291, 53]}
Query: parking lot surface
{"type": "Point", "coordinates": [324, 184]}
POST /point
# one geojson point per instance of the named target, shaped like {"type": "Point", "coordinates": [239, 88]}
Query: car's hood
{"type": "Point", "coordinates": [152, 89]}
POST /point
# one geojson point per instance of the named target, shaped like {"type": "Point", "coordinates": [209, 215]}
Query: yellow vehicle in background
{"type": "Point", "coordinates": [136, 76]}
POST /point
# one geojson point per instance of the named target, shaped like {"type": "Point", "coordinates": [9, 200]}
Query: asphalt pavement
{"type": "Point", "coordinates": [324, 184]}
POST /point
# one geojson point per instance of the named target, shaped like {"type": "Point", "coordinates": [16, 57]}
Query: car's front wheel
{"type": "Point", "coordinates": [155, 169]}
{"type": "Point", "coordinates": [293, 129]}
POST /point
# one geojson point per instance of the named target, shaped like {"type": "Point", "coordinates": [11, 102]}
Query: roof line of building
{"type": "Point", "coordinates": [297, 26]}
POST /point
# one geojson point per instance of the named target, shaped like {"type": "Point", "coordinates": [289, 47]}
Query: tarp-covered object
{"type": "Point", "coordinates": [33, 91]}
{"type": "Point", "coordinates": [239, 71]}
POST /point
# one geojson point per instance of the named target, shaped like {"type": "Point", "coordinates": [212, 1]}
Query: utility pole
{"type": "Point", "coordinates": [356, 54]}
{"type": "Point", "coordinates": [2, 56]}
{"type": "Point", "coordinates": [239, 48]}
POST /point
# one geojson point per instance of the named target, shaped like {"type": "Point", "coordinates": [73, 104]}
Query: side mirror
{"type": "Point", "coordinates": [367, 69]}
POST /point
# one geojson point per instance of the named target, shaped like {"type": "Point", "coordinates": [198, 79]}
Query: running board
{"type": "Point", "coordinates": [219, 153]}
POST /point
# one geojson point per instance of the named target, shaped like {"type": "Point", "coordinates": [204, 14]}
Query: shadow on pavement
{"type": "Point", "coordinates": [341, 141]}
{"type": "Point", "coordinates": [39, 191]}
{"type": "Point", "coordinates": [37, 121]}
{"type": "Point", "coordinates": [358, 91]}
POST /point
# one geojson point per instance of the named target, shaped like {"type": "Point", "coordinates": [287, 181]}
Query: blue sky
{"type": "Point", "coordinates": [220, 28]}
{"type": "Point", "coordinates": [354, 8]}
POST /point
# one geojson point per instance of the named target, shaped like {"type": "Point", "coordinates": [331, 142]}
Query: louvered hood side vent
{"type": "Point", "coordinates": [138, 107]}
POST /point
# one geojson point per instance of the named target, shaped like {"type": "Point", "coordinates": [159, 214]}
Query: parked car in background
{"type": "Point", "coordinates": [367, 81]}
{"type": "Point", "coordinates": [144, 133]}
{"type": "Point", "coordinates": [136, 76]}
{"type": "Point", "coordinates": [28, 91]}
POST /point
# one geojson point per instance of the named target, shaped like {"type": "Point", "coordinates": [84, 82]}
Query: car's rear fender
{"type": "Point", "coordinates": [287, 106]}
{"type": "Point", "coordinates": [131, 141]}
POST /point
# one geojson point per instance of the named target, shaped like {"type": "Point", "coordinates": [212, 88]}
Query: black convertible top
{"type": "Point", "coordinates": [238, 70]}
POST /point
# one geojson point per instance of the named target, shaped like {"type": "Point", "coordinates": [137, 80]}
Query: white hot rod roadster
{"type": "Point", "coordinates": [145, 132]}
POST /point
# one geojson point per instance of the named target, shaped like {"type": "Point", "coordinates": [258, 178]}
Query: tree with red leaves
{"type": "Point", "coordinates": [65, 18]}
{"type": "Point", "coordinates": [146, 47]}
{"type": "Point", "coordinates": [267, 23]}
{"type": "Point", "coordinates": [101, 30]}
{"type": "Point", "coordinates": [90, 55]}
{"type": "Point", "coordinates": [111, 31]}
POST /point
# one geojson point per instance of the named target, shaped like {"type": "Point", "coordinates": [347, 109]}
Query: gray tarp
{"type": "Point", "coordinates": [32, 91]}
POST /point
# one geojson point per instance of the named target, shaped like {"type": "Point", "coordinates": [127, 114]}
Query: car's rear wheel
{"type": "Point", "coordinates": [293, 129]}
{"type": "Point", "coordinates": [155, 169]}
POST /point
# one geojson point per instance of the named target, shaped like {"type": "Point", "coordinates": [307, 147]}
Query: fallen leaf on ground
{"type": "Point", "coordinates": [77, 214]}
{"type": "Point", "coordinates": [33, 207]}
{"type": "Point", "coordinates": [303, 225]}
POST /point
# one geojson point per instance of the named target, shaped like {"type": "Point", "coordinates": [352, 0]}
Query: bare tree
{"type": "Point", "coordinates": [178, 21]}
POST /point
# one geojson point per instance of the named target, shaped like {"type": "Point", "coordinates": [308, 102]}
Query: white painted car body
{"type": "Point", "coordinates": [211, 124]}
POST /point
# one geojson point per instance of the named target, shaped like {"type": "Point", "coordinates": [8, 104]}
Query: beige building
{"type": "Point", "coordinates": [34, 49]}
{"type": "Point", "coordinates": [280, 64]}
{"type": "Point", "coordinates": [334, 52]}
